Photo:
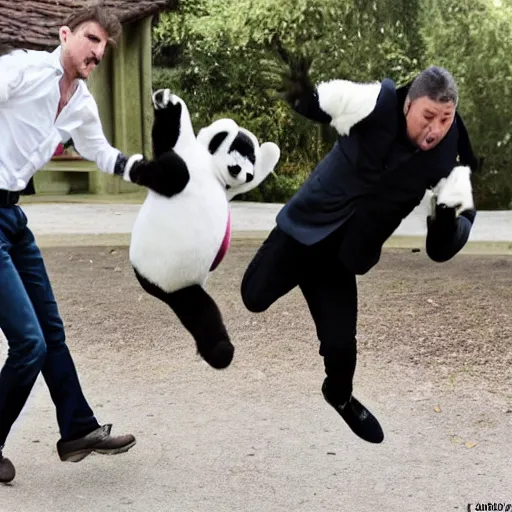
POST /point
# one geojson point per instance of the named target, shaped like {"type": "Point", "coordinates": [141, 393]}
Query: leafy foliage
{"type": "Point", "coordinates": [475, 42]}
{"type": "Point", "coordinates": [213, 52]}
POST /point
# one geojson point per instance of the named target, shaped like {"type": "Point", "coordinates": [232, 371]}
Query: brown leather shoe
{"type": "Point", "coordinates": [7, 471]}
{"type": "Point", "coordinates": [99, 441]}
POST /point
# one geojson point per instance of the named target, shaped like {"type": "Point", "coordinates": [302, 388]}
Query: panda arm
{"type": "Point", "coordinates": [340, 103]}
{"type": "Point", "coordinates": [166, 175]}
{"type": "Point", "coordinates": [447, 233]}
{"type": "Point", "coordinates": [452, 217]}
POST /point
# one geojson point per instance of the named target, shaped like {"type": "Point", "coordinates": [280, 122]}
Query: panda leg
{"type": "Point", "coordinates": [200, 315]}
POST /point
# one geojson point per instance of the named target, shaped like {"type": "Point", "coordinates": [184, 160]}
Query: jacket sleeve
{"type": "Point", "coordinates": [447, 236]}
{"type": "Point", "coordinates": [339, 103]}
{"type": "Point", "coordinates": [347, 103]}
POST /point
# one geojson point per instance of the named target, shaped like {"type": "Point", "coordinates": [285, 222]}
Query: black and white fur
{"type": "Point", "coordinates": [240, 164]}
{"type": "Point", "coordinates": [347, 102]}
{"type": "Point", "coordinates": [176, 239]}
{"type": "Point", "coordinates": [455, 191]}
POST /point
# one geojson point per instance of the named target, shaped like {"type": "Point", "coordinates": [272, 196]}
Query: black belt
{"type": "Point", "coordinates": [8, 198]}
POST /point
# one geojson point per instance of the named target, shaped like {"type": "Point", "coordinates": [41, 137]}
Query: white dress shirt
{"type": "Point", "coordinates": [30, 130]}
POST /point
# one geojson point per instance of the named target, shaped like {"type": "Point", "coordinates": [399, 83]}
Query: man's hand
{"type": "Point", "coordinates": [452, 215]}
{"type": "Point", "coordinates": [287, 77]}
{"type": "Point", "coordinates": [167, 175]}
{"type": "Point", "coordinates": [445, 219]}
{"type": "Point", "coordinates": [295, 84]}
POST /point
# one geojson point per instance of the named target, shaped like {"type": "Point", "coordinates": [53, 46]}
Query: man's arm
{"type": "Point", "coordinates": [347, 103]}
{"type": "Point", "coordinates": [90, 141]}
{"type": "Point", "coordinates": [12, 66]}
{"type": "Point", "coordinates": [340, 103]}
{"type": "Point", "coordinates": [452, 216]}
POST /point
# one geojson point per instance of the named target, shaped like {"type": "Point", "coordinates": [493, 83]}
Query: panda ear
{"type": "Point", "coordinates": [217, 140]}
{"type": "Point", "coordinates": [265, 163]}
{"type": "Point", "coordinates": [222, 131]}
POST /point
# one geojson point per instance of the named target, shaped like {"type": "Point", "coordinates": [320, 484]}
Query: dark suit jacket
{"type": "Point", "coordinates": [368, 183]}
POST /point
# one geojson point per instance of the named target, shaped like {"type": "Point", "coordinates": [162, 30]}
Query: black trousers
{"type": "Point", "coordinates": [330, 291]}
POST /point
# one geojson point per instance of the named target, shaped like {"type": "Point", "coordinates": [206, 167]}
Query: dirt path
{"type": "Point", "coordinates": [435, 367]}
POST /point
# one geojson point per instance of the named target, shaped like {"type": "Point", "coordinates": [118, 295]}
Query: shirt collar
{"type": "Point", "coordinates": [55, 59]}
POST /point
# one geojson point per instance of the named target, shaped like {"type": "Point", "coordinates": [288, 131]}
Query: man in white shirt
{"type": "Point", "coordinates": [44, 100]}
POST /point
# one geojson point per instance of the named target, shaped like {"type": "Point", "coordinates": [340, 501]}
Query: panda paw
{"type": "Point", "coordinates": [162, 98]}
{"type": "Point", "coordinates": [166, 175]}
{"type": "Point", "coordinates": [218, 355]}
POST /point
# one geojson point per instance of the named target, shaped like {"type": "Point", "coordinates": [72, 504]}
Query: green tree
{"type": "Point", "coordinates": [473, 39]}
{"type": "Point", "coordinates": [210, 51]}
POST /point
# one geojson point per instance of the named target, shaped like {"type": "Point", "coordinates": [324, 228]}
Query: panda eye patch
{"type": "Point", "coordinates": [217, 140]}
{"type": "Point", "coordinates": [234, 170]}
{"type": "Point", "coordinates": [243, 145]}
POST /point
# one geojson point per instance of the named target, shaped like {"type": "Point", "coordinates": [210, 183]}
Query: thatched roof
{"type": "Point", "coordinates": [34, 24]}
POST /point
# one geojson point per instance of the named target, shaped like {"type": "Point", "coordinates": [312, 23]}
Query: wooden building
{"type": "Point", "coordinates": [121, 85]}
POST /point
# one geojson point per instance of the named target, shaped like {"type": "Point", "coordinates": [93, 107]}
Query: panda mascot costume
{"type": "Point", "coordinates": [182, 230]}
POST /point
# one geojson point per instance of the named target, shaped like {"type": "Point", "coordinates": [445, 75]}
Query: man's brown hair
{"type": "Point", "coordinates": [103, 17]}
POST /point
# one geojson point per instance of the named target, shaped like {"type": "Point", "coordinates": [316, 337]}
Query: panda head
{"type": "Point", "coordinates": [172, 126]}
{"type": "Point", "coordinates": [241, 164]}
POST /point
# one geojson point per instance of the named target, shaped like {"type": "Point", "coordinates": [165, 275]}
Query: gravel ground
{"type": "Point", "coordinates": [434, 366]}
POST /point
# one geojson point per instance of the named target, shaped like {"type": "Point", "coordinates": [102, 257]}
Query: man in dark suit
{"type": "Point", "coordinates": [393, 145]}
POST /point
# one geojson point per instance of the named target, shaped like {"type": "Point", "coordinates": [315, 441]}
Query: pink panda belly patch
{"type": "Point", "coordinates": [224, 246]}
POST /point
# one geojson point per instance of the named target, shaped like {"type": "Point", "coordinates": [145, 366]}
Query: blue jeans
{"type": "Point", "coordinates": [30, 321]}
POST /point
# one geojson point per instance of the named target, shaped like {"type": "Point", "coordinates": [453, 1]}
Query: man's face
{"type": "Point", "coordinates": [428, 121]}
{"type": "Point", "coordinates": [83, 49]}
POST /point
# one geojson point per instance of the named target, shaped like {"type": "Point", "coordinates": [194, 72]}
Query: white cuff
{"type": "Point", "coordinates": [129, 165]}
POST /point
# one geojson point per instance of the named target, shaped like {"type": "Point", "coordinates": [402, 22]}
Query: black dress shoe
{"type": "Point", "coordinates": [360, 420]}
{"type": "Point", "coordinates": [7, 471]}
